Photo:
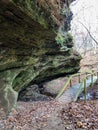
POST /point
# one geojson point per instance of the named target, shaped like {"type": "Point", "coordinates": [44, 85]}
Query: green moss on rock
{"type": "Point", "coordinates": [28, 50]}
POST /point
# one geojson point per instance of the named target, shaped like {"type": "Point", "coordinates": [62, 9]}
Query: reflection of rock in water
{"type": "Point", "coordinates": [82, 97]}
{"type": "Point", "coordinates": [89, 96]}
{"type": "Point", "coordinates": [95, 94]}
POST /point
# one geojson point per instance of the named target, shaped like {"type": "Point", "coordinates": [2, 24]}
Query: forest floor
{"type": "Point", "coordinates": [53, 115]}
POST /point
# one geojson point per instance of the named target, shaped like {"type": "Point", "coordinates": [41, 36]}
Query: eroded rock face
{"type": "Point", "coordinates": [32, 93]}
{"type": "Point", "coordinates": [28, 50]}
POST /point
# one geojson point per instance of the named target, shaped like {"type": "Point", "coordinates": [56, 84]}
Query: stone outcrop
{"type": "Point", "coordinates": [28, 50]}
{"type": "Point", "coordinates": [32, 93]}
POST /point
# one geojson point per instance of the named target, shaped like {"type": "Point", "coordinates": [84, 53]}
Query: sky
{"type": "Point", "coordinates": [86, 12]}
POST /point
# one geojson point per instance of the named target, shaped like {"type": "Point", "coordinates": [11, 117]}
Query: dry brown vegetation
{"type": "Point", "coordinates": [89, 61]}
{"type": "Point", "coordinates": [38, 116]}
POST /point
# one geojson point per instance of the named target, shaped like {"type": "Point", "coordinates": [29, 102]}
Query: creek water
{"type": "Point", "coordinates": [92, 93]}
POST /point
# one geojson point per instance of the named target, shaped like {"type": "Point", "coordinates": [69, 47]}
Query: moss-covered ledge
{"type": "Point", "coordinates": [28, 49]}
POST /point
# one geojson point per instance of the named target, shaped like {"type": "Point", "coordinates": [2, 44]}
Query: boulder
{"type": "Point", "coordinates": [54, 86]}
{"type": "Point", "coordinates": [32, 93]}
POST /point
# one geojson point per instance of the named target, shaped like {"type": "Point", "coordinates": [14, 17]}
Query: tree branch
{"type": "Point", "coordinates": [89, 32]}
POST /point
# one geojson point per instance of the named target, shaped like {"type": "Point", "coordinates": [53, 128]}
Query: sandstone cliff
{"type": "Point", "coordinates": [28, 49]}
